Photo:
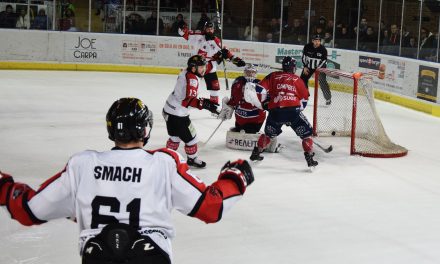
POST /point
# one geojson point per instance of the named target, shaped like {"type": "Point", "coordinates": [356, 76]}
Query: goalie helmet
{"type": "Point", "coordinates": [195, 61]}
{"type": "Point", "coordinates": [129, 119]}
{"type": "Point", "coordinates": [289, 64]}
{"type": "Point", "coordinates": [250, 72]}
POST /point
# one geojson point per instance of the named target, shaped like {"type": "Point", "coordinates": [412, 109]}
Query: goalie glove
{"type": "Point", "coordinates": [240, 172]}
{"type": "Point", "coordinates": [250, 95]}
{"type": "Point", "coordinates": [227, 111]}
{"type": "Point", "coordinates": [238, 62]}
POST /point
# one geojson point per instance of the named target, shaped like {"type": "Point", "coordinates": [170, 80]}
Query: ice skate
{"type": "Point", "coordinates": [255, 156]}
{"type": "Point", "coordinates": [196, 163]}
{"type": "Point", "coordinates": [309, 158]}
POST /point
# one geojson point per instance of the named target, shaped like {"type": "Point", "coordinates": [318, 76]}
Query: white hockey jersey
{"type": "Point", "coordinates": [184, 95]}
{"type": "Point", "coordinates": [132, 186]}
{"type": "Point", "coordinates": [201, 46]}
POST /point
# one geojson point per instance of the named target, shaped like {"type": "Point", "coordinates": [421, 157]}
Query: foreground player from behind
{"type": "Point", "coordinates": [206, 44]}
{"type": "Point", "coordinates": [288, 97]}
{"type": "Point", "coordinates": [122, 199]}
{"type": "Point", "coordinates": [176, 109]}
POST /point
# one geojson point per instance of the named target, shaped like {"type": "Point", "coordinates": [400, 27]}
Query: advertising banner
{"type": "Point", "coordinates": [428, 83]}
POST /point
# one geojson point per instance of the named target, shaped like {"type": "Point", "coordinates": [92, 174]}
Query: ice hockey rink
{"type": "Point", "coordinates": [349, 210]}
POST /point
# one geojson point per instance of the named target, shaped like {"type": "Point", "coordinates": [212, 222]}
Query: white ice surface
{"type": "Point", "coordinates": [350, 210]}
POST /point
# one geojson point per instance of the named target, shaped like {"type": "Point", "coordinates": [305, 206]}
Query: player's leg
{"type": "Point", "coordinates": [188, 135]}
{"type": "Point", "coordinates": [271, 130]}
{"type": "Point", "coordinates": [322, 79]}
{"type": "Point", "coordinates": [172, 123]}
{"type": "Point", "coordinates": [305, 77]}
{"type": "Point", "coordinates": [120, 243]}
{"type": "Point", "coordinates": [213, 86]}
{"type": "Point", "coordinates": [304, 130]}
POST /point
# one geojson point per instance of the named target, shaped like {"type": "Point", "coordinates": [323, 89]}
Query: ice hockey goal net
{"type": "Point", "coordinates": [351, 113]}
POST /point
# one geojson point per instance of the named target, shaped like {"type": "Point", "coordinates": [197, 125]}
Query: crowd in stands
{"type": "Point", "coordinates": [10, 18]}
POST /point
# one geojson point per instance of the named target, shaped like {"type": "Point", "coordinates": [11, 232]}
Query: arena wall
{"type": "Point", "coordinates": [407, 82]}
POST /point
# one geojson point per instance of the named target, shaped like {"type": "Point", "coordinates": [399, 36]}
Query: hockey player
{"type": "Point", "coordinates": [314, 57]}
{"type": "Point", "coordinates": [248, 117]}
{"type": "Point", "coordinates": [208, 45]}
{"type": "Point", "coordinates": [176, 109]}
{"type": "Point", "coordinates": [122, 198]}
{"type": "Point", "coordinates": [288, 97]}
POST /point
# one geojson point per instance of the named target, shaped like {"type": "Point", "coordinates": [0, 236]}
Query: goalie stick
{"type": "Point", "coordinates": [219, 24]}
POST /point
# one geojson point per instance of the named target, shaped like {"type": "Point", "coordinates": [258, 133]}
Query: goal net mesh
{"type": "Point", "coordinates": [351, 113]}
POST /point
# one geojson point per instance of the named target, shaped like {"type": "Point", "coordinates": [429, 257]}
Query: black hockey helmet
{"type": "Point", "coordinates": [128, 120]}
{"type": "Point", "coordinates": [194, 61]}
{"type": "Point", "coordinates": [208, 24]}
{"type": "Point", "coordinates": [316, 36]}
{"type": "Point", "coordinates": [289, 64]}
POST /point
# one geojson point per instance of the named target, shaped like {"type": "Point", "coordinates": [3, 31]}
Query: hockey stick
{"type": "Point", "coordinates": [219, 24]}
{"type": "Point", "coordinates": [202, 144]}
{"type": "Point", "coordinates": [265, 66]}
{"type": "Point", "coordinates": [325, 149]}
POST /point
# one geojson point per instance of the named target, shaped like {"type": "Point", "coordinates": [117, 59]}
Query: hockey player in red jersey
{"type": "Point", "coordinates": [176, 109]}
{"type": "Point", "coordinates": [288, 97]}
{"type": "Point", "coordinates": [248, 117]}
{"type": "Point", "coordinates": [122, 199]}
{"type": "Point", "coordinates": [205, 43]}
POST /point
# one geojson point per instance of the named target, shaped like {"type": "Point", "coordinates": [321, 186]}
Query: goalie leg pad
{"type": "Point", "coordinates": [241, 141]}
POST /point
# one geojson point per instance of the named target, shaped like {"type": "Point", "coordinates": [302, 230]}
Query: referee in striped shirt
{"type": "Point", "coordinates": [314, 57]}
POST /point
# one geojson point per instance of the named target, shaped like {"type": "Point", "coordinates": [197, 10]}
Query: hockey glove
{"type": "Point", "coordinates": [208, 105]}
{"type": "Point", "coordinates": [6, 181]}
{"type": "Point", "coordinates": [240, 172]}
{"type": "Point", "coordinates": [238, 62]}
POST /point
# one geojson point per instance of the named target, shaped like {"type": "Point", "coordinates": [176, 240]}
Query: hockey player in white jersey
{"type": "Point", "coordinates": [205, 43]}
{"type": "Point", "coordinates": [176, 109]}
{"type": "Point", "coordinates": [122, 198]}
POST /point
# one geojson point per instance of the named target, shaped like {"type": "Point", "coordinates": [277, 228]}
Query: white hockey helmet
{"type": "Point", "coordinates": [250, 72]}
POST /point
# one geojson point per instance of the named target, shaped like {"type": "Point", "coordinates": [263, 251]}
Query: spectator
{"type": "Point", "coordinates": [394, 36]}
{"type": "Point", "coordinates": [274, 28]}
{"type": "Point", "coordinates": [23, 20]}
{"type": "Point", "coordinates": [330, 25]}
{"type": "Point", "coordinates": [178, 23]}
{"type": "Point", "coordinates": [345, 40]}
{"type": "Point", "coordinates": [319, 31]}
{"type": "Point", "coordinates": [410, 51]}
{"type": "Point", "coordinates": [328, 40]}
{"type": "Point", "coordinates": [135, 24]}
{"type": "Point", "coordinates": [41, 21]}
{"type": "Point", "coordinates": [363, 27]}
{"type": "Point", "coordinates": [67, 22]}
{"type": "Point", "coordinates": [369, 41]}
{"type": "Point", "coordinates": [322, 23]}
{"type": "Point", "coordinates": [255, 33]}
{"type": "Point", "coordinates": [269, 38]}
{"type": "Point", "coordinates": [298, 28]}
{"type": "Point", "coordinates": [230, 29]}
{"type": "Point", "coordinates": [151, 24]}
{"type": "Point", "coordinates": [427, 45]}
{"type": "Point", "coordinates": [8, 18]}
{"type": "Point", "coordinates": [203, 19]}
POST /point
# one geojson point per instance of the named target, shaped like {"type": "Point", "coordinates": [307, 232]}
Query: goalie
{"type": "Point", "coordinates": [246, 102]}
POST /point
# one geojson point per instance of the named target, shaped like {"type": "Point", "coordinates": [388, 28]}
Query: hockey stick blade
{"type": "Point", "coordinates": [325, 149]}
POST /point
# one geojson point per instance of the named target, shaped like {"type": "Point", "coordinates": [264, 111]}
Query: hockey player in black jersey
{"type": "Point", "coordinates": [314, 57]}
